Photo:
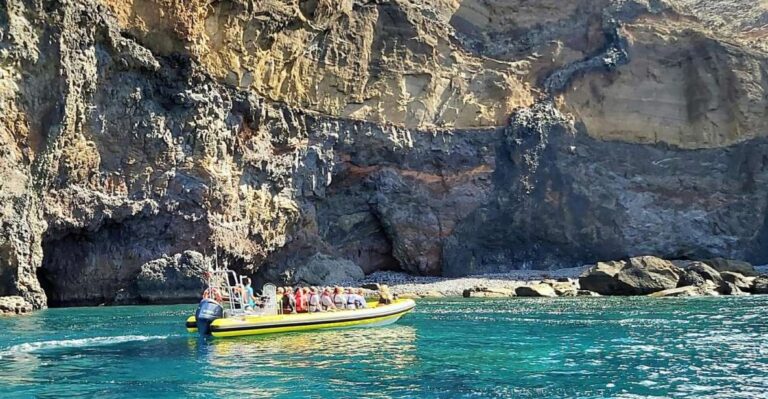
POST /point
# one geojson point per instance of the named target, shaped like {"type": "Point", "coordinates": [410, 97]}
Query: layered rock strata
{"type": "Point", "coordinates": [334, 138]}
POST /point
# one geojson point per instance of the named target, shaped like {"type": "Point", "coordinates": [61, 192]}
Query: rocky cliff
{"type": "Point", "coordinates": [297, 138]}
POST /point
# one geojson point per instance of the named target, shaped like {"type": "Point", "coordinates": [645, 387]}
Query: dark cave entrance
{"type": "Point", "coordinates": [62, 274]}
{"type": "Point", "coordinates": [101, 266]}
{"type": "Point", "coordinates": [45, 279]}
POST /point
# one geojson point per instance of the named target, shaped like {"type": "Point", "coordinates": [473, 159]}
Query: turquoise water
{"type": "Point", "coordinates": [552, 348]}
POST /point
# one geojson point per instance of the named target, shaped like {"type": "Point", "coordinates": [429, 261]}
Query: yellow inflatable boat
{"type": "Point", "coordinates": [223, 312]}
{"type": "Point", "coordinates": [375, 315]}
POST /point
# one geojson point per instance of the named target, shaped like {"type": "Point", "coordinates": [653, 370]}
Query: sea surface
{"type": "Point", "coordinates": [520, 348]}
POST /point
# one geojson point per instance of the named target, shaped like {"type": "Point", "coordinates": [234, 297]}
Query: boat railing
{"type": "Point", "coordinates": [232, 290]}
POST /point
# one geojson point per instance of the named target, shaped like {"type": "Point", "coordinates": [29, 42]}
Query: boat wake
{"type": "Point", "coordinates": [42, 346]}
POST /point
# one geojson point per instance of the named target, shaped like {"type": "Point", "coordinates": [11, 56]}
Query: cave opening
{"type": "Point", "coordinates": [61, 273]}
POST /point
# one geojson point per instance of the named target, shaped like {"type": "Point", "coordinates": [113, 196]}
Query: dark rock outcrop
{"type": "Point", "coordinates": [319, 269]}
{"type": "Point", "coordinates": [173, 279]}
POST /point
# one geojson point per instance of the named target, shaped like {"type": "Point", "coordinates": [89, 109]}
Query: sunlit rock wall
{"type": "Point", "coordinates": [434, 137]}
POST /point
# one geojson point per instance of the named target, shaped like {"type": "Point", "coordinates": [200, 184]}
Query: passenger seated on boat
{"type": "Point", "coordinates": [339, 299]}
{"type": "Point", "coordinates": [314, 301]}
{"type": "Point", "coordinates": [326, 302]}
{"type": "Point", "coordinates": [385, 297]}
{"type": "Point", "coordinates": [350, 299]}
{"type": "Point", "coordinates": [288, 301]}
{"type": "Point", "coordinates": [301, 300]}
{"type": "Point", "coordinates": [356, 300]}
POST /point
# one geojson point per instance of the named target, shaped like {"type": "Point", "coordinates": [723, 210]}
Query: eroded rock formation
{"type": "Point", "coordinates": [436, 137]}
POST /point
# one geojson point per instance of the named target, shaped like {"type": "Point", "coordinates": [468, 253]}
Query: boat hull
{"type": "Point", "coordinates": [256, 325]}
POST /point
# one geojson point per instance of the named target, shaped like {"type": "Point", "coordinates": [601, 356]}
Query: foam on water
{"type": "Point", "coordinates": [35, 347]}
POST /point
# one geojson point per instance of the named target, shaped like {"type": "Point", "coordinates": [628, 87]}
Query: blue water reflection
{"type": "Point", "coordinates": [587, 348]}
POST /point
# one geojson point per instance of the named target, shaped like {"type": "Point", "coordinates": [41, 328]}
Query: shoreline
{"type": "Point", "coordinates": [524, 283]}
{"type": "Point", "coordinates": [484, 285]}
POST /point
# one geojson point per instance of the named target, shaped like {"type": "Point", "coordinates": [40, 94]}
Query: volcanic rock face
{"type": "Point", "coordinates": [436, 137]}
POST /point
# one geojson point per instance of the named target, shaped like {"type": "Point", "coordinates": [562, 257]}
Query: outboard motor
{"type": "Point", "coordinates": [208, 311]}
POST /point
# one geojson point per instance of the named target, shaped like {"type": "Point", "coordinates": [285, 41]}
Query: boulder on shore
{"type": "Point", "coordinates": [730, 265]}
{"type": "Point", "coordinates": [702, 290]}
{"type": "Point", "coordinates": [737, 279]}
{"type": "Point", "coordinates": [536, 290]}
{"type": "Point", "coordinates": [14, 305]}
{"type": "Point", "coordinates": [706, 272]}
{"type": "Point", "coordinates": [640, 276]}
{"type": "Point", "coordinates": [485, 292]}
{"type": "Point", "coordinates": [601, 278]}
{"type": "Point", "coordinates": [564, 288]}
{"type": "Point", "coordinates": [760, 285]}
{"type": "Point", "coordinates": [690, 278]}
{"type": "Point", "coordinates": [731, 289]}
